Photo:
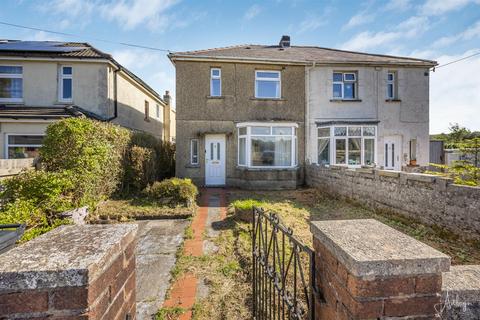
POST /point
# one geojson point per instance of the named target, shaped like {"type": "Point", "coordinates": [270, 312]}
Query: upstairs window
{"type": "Point", "coordinates": [11, 83]}
{"type": "Point", "coordinates": [391, 84]}
{"type": "Point", "coordinates": [65, 87]}
{"type": "Point", "coordinates": [268, 84]}
{"type": "Point", "coordinates": [215, 82]}
{"type": "Point", "coordinates": [345, 85]}
{"type": "Point", "coordinates": [157, 111]}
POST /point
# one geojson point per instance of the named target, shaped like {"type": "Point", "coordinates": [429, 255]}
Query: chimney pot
{"type": "Point", "coordinates": [166, 97]}
{"type": "Point", "coordinates": [284, 41]}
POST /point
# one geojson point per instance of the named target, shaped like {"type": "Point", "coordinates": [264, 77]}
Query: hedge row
{"type": "Point", "coordinates": [83, 162]}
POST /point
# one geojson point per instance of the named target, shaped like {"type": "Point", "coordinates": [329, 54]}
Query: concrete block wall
{"type": "Point", "coordinates": [427, 198]}
{"type": "Point", "coordinates": [73, 272]}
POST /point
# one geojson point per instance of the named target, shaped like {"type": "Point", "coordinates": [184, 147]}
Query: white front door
{"type": "Point", "coordinates": [215, 160]}
{"type": "Point", "coordinates": [392, 153]}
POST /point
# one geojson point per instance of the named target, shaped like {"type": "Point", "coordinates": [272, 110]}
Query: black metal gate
{"type": "Point", "coordinates": [283, 271]}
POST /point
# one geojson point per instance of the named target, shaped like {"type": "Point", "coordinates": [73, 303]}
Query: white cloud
{"type": "Point", "coordinates": [252, 12]}
{"type": "Point", "coordinates": [359, 19]}
{"type": "Point", "coordinates": [408, 29]}
{"type": "Point", "coordinates": [129, 14]}
{"type": "Point", "coordinates": [398, 5]}
{"type": "Point", "coordinates": [455, 93]}
{"type": "Point", "coordinates": [132, 13]}
{"type": "Point", "coordinates": [439, 7]}
{"type": "Point", "coordinates": [470, 33]}
{"type": "Point", "coordinates": [153, 67]}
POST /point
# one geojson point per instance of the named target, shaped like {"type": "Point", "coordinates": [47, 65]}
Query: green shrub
{"type": "Point", "coordinates": [92, 151]}
{"type": "Point", "coordinates": [141, 168]}
{"type": "Point", "coordinates": [148, 160]}
{"type": "Point", "coordinates": [247, 204]}
{"type": "Point", "coordinates": [51, 192]}
{"type": "Point", "coordinates": [173, 191]}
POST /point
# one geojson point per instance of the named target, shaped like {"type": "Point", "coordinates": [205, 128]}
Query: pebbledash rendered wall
{"type": "Point", "coordinates": [428, 198]}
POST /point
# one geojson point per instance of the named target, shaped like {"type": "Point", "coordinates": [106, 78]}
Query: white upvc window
{"type": "Point", "coordinates": [157, 111]}
{"type": "Point", "coordinates": [215, 82]}
{"type": "Point", "coordinates": [266, 145]}
{"type": "Point", "coordinates": [65, 84]}
{"type": "Point", "coordinates": [349, 145]}
{"type": "Point", "coordinates": [268, 84]}
{"type": "Point", "coordinates": [20, 146]}
{"type": "Point", "coordinates": [11, 84]}
{"type": "Point", "coordinates": [391, 84]}
{"type": "Point", "coordinates": [344, 85]}
{"type": "Point", "coordinates": [194, 151]}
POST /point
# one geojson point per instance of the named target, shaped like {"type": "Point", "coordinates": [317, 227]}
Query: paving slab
{"type": "Point", "coordinates": [158, 242]}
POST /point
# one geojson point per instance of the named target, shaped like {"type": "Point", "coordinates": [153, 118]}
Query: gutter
{"type": "Point", "coordinates": [115, 89]}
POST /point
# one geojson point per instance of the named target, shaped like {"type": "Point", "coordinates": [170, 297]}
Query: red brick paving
{"type": "Point", "coordinates": [183, 291]}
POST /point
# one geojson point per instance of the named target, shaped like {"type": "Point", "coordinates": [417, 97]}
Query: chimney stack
{"type": "Point", "coordinates": [166, 116]}
{"type": "Point", "coordinates": [167, 97]}
{"type": "Point", "coordinates": [285, 42]}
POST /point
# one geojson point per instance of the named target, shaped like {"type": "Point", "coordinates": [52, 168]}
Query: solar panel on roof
{"type": "Point", "coordinates": [43, 46]}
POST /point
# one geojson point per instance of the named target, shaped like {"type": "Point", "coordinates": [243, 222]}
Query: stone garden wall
{"type": "Point", "coordinates": [428, 198]}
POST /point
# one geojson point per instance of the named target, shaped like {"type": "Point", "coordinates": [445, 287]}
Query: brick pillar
{"type": "Point", "coordinates": [367, 270]}
{"type": "Point", "coordinates": [73, 272]}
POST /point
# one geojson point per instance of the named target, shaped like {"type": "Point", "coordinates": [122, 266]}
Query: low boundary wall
{"type": "Point", "coordinates": [72, 272]}
{"type": "Point", "coordinates": [430, 199]}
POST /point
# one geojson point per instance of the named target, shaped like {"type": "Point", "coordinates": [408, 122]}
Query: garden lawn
{"type": "Point", "coordinates": [122, 210]}
{"type": "Point", "coordinates": [296, 208]}
{"type": "Point", "coordinates": [227, 271]}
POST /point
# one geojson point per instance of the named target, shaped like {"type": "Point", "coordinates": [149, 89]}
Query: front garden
{"type": "Point", "coordinates": [118, 174]}
{"type": "Point", "coordinates": [227, 272]}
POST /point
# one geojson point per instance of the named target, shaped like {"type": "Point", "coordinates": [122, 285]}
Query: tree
{"type": "Point", "coordinates": [458, 133]}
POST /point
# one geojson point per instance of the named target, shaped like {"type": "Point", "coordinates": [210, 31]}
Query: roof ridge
{"type": "Point", "coordinates": [217, 48]}
{"type": "Point", "coordinates": [366, 53]}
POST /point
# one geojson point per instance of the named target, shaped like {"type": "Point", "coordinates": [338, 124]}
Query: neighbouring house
{"type": "Point", "coordinates": [252, 115]}
{"type": "Point", "coordinates": [43, 81]}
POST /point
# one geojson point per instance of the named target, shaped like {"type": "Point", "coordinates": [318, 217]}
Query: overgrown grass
{"type": "Point", "coordinates": [225, 272]}
{"type": "Point", "coordinates": [170, 313]}
{"type": "Point", "coordinates": [137, 208]}
{"type": "Point", "coordinates": [297, 208]}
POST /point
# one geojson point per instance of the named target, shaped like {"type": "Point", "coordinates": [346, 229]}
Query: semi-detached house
{"type": "Point", "coordinates": [253, 115]}
{"type": "Point", "coordinates": [44, 81]}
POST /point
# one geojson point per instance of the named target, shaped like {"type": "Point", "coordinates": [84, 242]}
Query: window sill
{"type": "Point", "coordinates": [393, 100]}
{"type": "Point", "coordinates": [11, 102]}
{"type": "Point", "coordinates": [216, 97]}
{"type": "Point", "coordinates": [268, 99]}
{"type": "Point", "coordinates": [345, 100]}
{"type": "Point", "coordinates": [194, 166]}
{"type": "Point", "coordinates": [63, 103]}
{"type": "Point", "coordinates": [267, 168]}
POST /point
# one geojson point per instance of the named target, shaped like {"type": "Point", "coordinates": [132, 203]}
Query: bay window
{"type": "Point", "coordinates": [11, 83]}
{"type": "Point", "coordinates": [352, 145]}
{"type": "Point", "coordinates": [267, 146]}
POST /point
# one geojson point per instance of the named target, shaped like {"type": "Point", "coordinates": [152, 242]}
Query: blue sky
{"type": "Point", "coordinates": [443, 30]}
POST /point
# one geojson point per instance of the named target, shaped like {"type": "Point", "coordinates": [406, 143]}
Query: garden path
{"type": "Point", "coordinates": [158, 242]}
{"type": "Point", "coordinates": [187, 288]}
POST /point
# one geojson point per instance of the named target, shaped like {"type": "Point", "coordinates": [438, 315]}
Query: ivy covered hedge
{"type": "Point", "coordinates": [82, 162]}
